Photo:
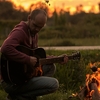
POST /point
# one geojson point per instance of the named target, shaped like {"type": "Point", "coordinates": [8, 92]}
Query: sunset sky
{"type": "Point", "coordinates": [87, 4]}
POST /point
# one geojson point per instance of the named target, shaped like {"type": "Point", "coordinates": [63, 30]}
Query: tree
{"type": "Point", "coordinates": [99, 7]}
{"type": "Point", "coordinates": [8, 11]}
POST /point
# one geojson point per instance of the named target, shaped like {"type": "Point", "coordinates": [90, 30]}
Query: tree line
{"type": "Point", "coordinates": [79, 25]}
{"type": "Point", "coordinates": [9, 11]}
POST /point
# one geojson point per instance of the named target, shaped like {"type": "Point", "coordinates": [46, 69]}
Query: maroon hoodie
{"type": "Point", "coordinates": [19, 36]}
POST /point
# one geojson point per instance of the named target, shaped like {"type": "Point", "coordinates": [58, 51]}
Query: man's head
{"type": "Point", "coordinates": [36, 20]}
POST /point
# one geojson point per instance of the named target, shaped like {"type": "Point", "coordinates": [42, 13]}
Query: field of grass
{"type": "Point", "coordinates": [67, 42]}
{"type": "Point", "coordinates": [70, 76]}
{"type": "Point", "coordinates": [54, 96]}
{"type": "Point", "coordinates": [87, 56]}
{"type": "Point", "coordinates": [70, 42]}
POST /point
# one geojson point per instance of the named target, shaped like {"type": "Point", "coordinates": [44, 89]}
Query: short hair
{"type": "Point", "coordinates": [35, 12]}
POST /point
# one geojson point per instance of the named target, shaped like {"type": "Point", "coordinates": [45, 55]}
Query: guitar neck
{"type": "Point", "coordinates": [53, 60]}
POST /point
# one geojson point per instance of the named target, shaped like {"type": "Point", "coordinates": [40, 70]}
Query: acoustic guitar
{"type": "Point", "coordinates": [14, 72]}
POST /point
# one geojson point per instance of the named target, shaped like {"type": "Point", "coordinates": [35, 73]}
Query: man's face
{"type": "Point", "coordinates": [37, 24]}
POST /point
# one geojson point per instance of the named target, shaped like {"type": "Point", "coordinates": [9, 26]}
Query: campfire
{"type": "Point", "coordinates": [91, 90]}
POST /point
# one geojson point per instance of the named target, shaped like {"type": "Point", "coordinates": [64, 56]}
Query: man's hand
{"type": "Point", "coordinates": [65, 59]}
{"type": "Point", "coordinates": [33, 61]}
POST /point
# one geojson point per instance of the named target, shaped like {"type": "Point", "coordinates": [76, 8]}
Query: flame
{"type": "Point", "coordinates": [92, 84]}
{"type": "Point", "coordinates": [94, 77]}
{"type": "Point", "coordinates": [94, 64]}
{"type": "Point", "coordinates": [99, 89]}
{"type": "Point", "coordinates": [91, 64]}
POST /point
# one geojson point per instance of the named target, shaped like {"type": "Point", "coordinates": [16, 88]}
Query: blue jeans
{"type": "Point", "coordinates": [37, 86]}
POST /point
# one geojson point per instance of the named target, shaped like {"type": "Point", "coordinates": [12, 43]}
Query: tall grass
{"type": "Point", "coordinates": [70, 42]}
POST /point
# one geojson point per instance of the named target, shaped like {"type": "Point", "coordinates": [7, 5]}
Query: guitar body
{"type": "Point", "coordinates": [14, 72]}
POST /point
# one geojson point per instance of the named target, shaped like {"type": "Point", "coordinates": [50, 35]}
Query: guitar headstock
{"type": "Point", "coordinates": [76, 55]}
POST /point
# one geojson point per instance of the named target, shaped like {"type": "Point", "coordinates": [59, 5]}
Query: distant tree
{"type": "Point", "coordinates": [2, 0]}
{"type": "Point", "coordinates": [79, 8]}
{"type": "Point", "coordinates": [55, 16]}
{"type": "Point", "coordinates": [62, 17]}
{"type": "Point", "coordinates": [8, 11]}
{"type": "Point", "coordinates": [92, 10]}
{"type": "Point", "coordinates": [31, 7]}
{"type": "Point", "coordinates": [99, 6]}
{"type": "Point", "coordinates": [40, 5]}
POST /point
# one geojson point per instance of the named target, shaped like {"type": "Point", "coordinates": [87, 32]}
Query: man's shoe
{"type": "Point", "coordinates": [8, 98]}
{"type": "Point", "coordinates": [19, 98]}
{"type": "Point", "coordinates": [15, 98]}
{"type": "Point", "coordinates": [11, 98]}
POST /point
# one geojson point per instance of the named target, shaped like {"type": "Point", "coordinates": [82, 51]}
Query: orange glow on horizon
{"type": "Point", "coordinates": [87, 5]}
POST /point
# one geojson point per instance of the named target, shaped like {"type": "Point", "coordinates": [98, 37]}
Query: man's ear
{"type": "Point", "coordinates": [29, 17]}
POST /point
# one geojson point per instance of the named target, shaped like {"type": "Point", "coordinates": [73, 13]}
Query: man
{"type": "Point", "coordinates": [26, 34]}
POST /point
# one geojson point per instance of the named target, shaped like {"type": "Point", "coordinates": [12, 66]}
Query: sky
{"type": "Point", "coordinates": [64, 4]}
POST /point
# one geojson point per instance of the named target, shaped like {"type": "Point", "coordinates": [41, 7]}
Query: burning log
{"type": "Point", "coordinates": [91, 90]}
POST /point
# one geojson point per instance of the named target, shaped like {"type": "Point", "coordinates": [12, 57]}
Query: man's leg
{"type": "Point", "coordinates": [49, 70]}
{"type": "Point", "coordinates": [37, 86]}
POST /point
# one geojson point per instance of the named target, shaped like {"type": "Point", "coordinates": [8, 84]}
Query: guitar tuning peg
{"type": "Point", "coordinates": [77, 55]}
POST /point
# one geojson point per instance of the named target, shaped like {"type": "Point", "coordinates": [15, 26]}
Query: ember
{"type": "Point", "coordinates": [47, 1]}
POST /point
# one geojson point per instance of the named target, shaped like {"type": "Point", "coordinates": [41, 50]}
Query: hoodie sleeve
{"type": "Point", "coordinates": [8, 48]}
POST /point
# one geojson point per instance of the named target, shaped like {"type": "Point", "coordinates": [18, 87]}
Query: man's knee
{"type": "Point", "coordinates": [49, 70]}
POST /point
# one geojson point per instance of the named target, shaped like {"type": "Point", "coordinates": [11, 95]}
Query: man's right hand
{"type": "Point", "coordinates": [33, 61]}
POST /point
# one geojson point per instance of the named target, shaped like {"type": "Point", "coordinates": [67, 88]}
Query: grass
{"type": "Point", "coordinates": [86, 41]}
{"type": "Point", "coordinates": [70, 42]}
{"type": "Point", "coordinates": [53, 96]}
{"type": "Point", "coordinates": [3, 95]}
{"type": "Point", "coordinates": [59, 95]}
{"type": "Point", "coordinates": [67, 42]}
